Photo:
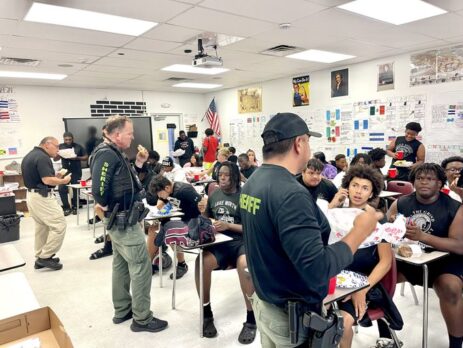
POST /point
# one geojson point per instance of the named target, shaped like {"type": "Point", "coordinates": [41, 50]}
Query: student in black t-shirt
{"type": "Point", "coordinates": [232, 158]}
{"type": "Point", "coordinates": [312, 180]}
{"type": "Point", "coordinates": [412, 149]}
{"type": "Point", "coordinates": [73, 166]}
{"type": "Point", "coordinates": [223, 206]}
{"type": "Point", "coordinates": [246, 168]}
{"type": "Point", "coordinates": [436, 220]}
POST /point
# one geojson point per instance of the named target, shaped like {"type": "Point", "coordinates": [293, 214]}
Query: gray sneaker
{"type": "Point", "coordinates": [155, 325]}
{"type": "Point", "coordinates": [181, 270]}
{"type": "Point", "coordinates": [48, 263]}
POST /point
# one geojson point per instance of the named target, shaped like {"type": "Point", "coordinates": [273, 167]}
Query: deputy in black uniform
{"type": "Point", "coordinates": [73, 166]}
{"type": "Point", "coordinates": [284, 232]}
{"type": "Point", "coordinates": [413, 150]}
{"type": "Point", "coordinates": [436, 220]}
{"type": "Point", "coordinates": [118, 192]}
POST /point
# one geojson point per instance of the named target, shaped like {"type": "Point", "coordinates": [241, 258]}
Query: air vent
{"type": "Point", "coordinates": [176, 79]}
{"type": "Point", "coordinates": [282, 50]}
{"type": "Point", "coordinates": [19, 61]}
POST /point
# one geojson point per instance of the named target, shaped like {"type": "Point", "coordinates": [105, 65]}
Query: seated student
{"type": "Point", "coordinates": [436, 220]}
{"type": "Point", "coordinates": [312, 180]}
{"type": "Point", "coordinates": [329, 171]}
{"type": "Point", "coordinates": [194, 167]}
{"type": "Point", "coordinates": [173, 171]}
{"type": "Point", "coordinates": [179, 194]}
{"type": "Point", "coordinates": [232, 158]}
{"type": "Point", "coordinates": [341, 163]}
{"type": "Point", "coordinates": [223, 206]}
{"type": "Point", "coordinates": [378, 159]}
{"type": "Point", "coordinates": [360, 185]}
{"type": "Point", "coordinates": [360, 158]}
{"type": "Point", "coordinates": [252, 158]}
{"type": "Point", "coordinates": [246, 169]}
{"type": "Point", "coordinates": [222, 156]}
{"type": "Point", "coordinates": [453, 167]}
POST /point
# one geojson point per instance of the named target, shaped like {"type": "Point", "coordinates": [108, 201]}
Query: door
{"type": "Point", "coordinates": [164, 138]}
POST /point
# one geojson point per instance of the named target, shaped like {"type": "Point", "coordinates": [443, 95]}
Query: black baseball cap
{"type": "Point", "coordinates": [167, 162]}
{"type": "Point", "coordinates": [284, 126]}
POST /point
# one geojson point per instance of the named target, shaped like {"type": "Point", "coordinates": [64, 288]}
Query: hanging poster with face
{"type": "Point", "coordinates": [301, 90]}
{"type": "Point", "coordinates": [339, 83]}
{"type": "Point", "coordinates": [385, 76]}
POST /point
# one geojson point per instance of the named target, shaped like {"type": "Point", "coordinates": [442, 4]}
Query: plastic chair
{"type": "Point", "coordinates": [389, 282]}
{"type": "Point", "coordinates": [403, 187]}
{"type": "Point", "coordinates": [212, 187]}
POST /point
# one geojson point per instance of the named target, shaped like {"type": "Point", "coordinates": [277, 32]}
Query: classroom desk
{"type": "Point", "coordinates": [388, 194]}
{"type": "Point", "coordinates": [10, 258]}
{"type": "Point", "coordinates": [16, 295]}
{"type": "Point", "coordinates": [423, 260]}
{"type": "Point", "coordinates": [79, 187]}
{"type": "Point", "coordinates": [341, 293]}
{"type": "Point", "coordinates": [219, 239]}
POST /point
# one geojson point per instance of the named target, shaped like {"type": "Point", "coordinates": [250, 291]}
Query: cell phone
{"type": "Point", "coordinates": [460, 179]}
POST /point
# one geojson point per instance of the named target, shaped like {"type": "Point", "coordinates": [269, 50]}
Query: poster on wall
{"type": "Point", "coordinates": [385, 76]}
{"type": "Point", "coordinates": [423, 68]}
{"type": "Point", "coordinates": [250, 100]}
{"type": "Point", "coordinates": [301, 90]}
{"type": "Point", "coordinates": [10, 125]}
{"type": "Point", "coordinates": [339, 83]}
{"type": "Point", "coordinates": [450, 64]}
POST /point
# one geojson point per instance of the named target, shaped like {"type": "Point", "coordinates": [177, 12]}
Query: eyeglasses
{"type": "Point", "coordinates": [454, 170]}
{"type": "Point", "coordinates": [55, 145]}
{"type": "Point", "coordinates": [425, 178]}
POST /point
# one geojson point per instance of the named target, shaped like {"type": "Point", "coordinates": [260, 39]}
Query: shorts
{"type": "Point", "coordinates": [348, 307]}
{"type": "Point", "coordinates": [452, 264]}
{"type": "Point", "coordinates": [227, 253]}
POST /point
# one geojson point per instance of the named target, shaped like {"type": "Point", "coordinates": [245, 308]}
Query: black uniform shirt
{"type": "Point", "coordinates": [284, 234]}
{"type": "Point", "coordinates": [74, 166]}
{"type": "Point", "coordinates": [35, 166]}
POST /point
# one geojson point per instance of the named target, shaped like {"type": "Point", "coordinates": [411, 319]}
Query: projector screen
{"type": "Point", "coordinates": [80, 129]}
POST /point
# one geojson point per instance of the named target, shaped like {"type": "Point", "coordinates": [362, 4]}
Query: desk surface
{"type": "Point", "coordinates": [79, 186]}
{"type": "Point", "coordinates": [205, 181]}
{"type": "Point", "coordinates": [422, 258]}
{"type": "Point", "coordinates": [385, 194]}
{"type": "Point", "coordinates": [341, 293]}
{"type": "Point", "coordinates": [155, 216]}
{"type": "Point", "coordinates": [16, 295]}
{"type": "Point", "coordinates": [219, 238]}
{"type": "Point", "coordinates": [10, 258]}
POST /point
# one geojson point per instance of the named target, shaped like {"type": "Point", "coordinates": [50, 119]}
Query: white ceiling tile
{"type": "Point", "coordinates": [157, 11]}
{"type": "Point", "coordinates": [14, 9]}
{"type": "Point", "coordinates": [439, 27]}
{"type": "Point", "coordinates": [151, 59]}
{"type": "Point", "coordinates": [62, 33]}
{"type": "Point", "coordinates": [98, 67]}
{"type": "Point", "coordinates": [152, 45]}
{"type": "Point", "coordinates": [38, 54]}
{"type": "Point", "coordinates": [102, 74]}
{"type": "Point", "coordinates": [171, 33]}
{"type": "Point", "coordinates": [449, 5]}
{"type": "Point", "coordinates": [8, 26]}
{"type": "Point", "coordinates": [210, 20]}
{"type": "Point", "coordinates": [276, 11]}
{"type": "Point", "coordinates": [329, 3]}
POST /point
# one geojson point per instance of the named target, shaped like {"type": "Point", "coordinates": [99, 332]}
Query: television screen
{"type": "Point", "coordinates": [87, 132]}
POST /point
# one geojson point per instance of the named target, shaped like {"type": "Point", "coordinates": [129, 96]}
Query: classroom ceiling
{"type": "Point", "coordinates": [97, 59]}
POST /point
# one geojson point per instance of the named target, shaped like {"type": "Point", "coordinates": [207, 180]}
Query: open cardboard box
{"type": "Point", "coordinates": [41, 323]}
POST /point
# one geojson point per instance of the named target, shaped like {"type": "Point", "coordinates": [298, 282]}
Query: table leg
{"type": "Point", "coordinates": [174, 276]}
{"type": "Point", "coordinates": [160, 266]}
{"type": "Point", "coordinates": [77, 205]}
{"type": "Point", "coordinates": [88, 212]}
{"type": "Point", "coordinates": [201, 293]}
{"type": "Point", "coordinates": [94, 222]}
{"type": "Point", "coordinates": [425, 306]}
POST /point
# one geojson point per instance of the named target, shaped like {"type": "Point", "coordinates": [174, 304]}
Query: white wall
{"type": "Point", "coordinates": [277, 94]}
{"type": "Point", "coordinates": [42, 108]}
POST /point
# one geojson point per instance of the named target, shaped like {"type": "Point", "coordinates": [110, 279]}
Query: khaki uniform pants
{"type": "Point", "coordinates": [131, 269]}
{"type": "Point", "coordinates": [50, 225]}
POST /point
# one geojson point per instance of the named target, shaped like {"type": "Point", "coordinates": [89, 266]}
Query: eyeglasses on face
{"type": "Point", "coordinates": [454, 170]}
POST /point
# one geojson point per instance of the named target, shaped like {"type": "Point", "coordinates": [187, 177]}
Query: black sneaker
{"type": "Point", "coordinates": [126, 317]}
{"type": "Point", "coordinates": [97, 219]}
{"type": "Point", "coordinates": [155, 325]}
{"type": "Point", "coordinates": [74, 211]}
{"type": "Point", "coordinates": [181, 271]}
{"type": "Point", "coordinates": [67, 211]}
{"type": "Point", "coordinates": [47, 263]}
{"type": "Point", "coordinates": [36, 266]}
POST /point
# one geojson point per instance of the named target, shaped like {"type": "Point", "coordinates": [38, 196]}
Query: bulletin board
{"type": "Point", "coordinates": [10, 125]}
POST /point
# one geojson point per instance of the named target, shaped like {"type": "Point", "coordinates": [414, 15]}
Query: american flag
{"type": "Point", "coordinates": [213, 117]}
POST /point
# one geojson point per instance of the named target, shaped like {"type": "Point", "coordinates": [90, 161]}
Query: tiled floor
{"type": "Point", "coordinates": [81, 296]}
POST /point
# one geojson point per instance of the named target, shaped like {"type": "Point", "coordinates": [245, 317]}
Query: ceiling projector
{"type": "Point", "coordinates": [206, 61]}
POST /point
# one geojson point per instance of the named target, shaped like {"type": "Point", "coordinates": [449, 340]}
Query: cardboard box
{"type": "Point", "coordinates": [41, 323]}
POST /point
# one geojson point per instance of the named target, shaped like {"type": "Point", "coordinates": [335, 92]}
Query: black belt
{"type": "Point", "coordinates": [40, 190]}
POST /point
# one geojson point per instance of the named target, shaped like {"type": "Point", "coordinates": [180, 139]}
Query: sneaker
{"type": "Point", "coordinates": [155, 325]}
{"type": "Point", "coordinates": [386, 343]}
{"type": "Point", "coordinates": [74, 211]}
{"type": "Point", "coordinates": [67, 211]}
{"type": "Point", "coordinates": [181, 271]}
{"type": "Point", "coordinates": [97, 219]}
{"type": "Point", "coordinates": [166, 262]}
{"type": "Point", "coordinates": [48, 263]}
{"type": "Point", "coordinates": [126, 317]}
{"type": "Point", "coordinates": [36, 266]}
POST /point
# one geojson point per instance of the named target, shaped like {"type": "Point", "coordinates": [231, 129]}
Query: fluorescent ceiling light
{"type": "Point", "coordinates": [32, 75]}
{"type": "Point", "coordinates": [72, 17]}
{"type": "Point", "coordinates": [394, 11]}
{"type": "Point", "coordinates": [196, 85]}
{"type": "Point", "coordinates": [320, 56]}
{"type": "Point", "coordinates": [225, 40]}
{"type": "Point", "coordinates": [194, 70]}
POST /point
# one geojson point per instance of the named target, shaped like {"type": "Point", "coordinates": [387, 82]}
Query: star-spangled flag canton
{"type": "Point", "coordinates": [213, 117]}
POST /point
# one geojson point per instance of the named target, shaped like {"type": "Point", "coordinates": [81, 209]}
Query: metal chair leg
{"type": "Point", "coordinates": [415, 298]}
{"type": "Point", "coordinates": [402, 289]}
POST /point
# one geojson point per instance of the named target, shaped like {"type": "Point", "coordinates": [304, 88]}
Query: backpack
{"type": "Point", "coordinates": [198, 231]}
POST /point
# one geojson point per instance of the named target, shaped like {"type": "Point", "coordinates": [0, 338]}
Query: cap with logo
{"type": "Point", "coordinates": [167, 162]}
{"type": "Point", "coordinates": [284, 126]}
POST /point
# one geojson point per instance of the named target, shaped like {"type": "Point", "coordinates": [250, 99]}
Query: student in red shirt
{"type": "Point", "coordinates": [210, 145]}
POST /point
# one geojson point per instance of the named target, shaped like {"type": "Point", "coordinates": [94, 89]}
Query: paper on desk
{"type": "Point", "coordinates": [342, 220]}
{"type": "Point", "coordinates": [67, 153]}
